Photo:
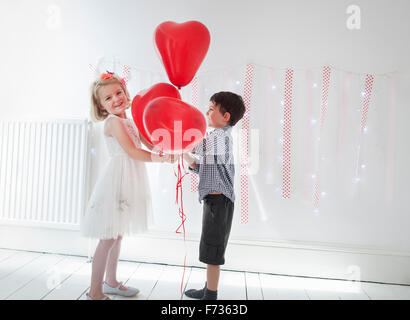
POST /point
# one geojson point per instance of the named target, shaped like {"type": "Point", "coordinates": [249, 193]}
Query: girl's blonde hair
{"type": "Point", "coordinates": [97, 112]}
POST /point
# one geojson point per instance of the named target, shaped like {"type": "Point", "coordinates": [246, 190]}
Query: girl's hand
{"type": "Point", "coordinates": [164, 157]}
{"type": "Point", "coordinates": [171, 158]}
{"type": "Point", "coordinates": [174, 158]}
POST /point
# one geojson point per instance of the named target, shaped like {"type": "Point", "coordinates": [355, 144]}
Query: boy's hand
{"type": "Point", "coordinates": [189, 158]}
{"type": "Point", "coordinates": [189, 151]}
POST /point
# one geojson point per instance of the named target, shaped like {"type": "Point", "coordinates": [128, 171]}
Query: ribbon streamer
{"type": "Point", "coordinates": [179, 201]}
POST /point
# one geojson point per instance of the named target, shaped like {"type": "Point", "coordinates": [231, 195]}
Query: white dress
{"type": "Point", "coordinates": [120, 203]}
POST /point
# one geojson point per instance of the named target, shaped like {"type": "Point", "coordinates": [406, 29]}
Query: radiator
{"type": "Point", "coordinates": [43, 166]}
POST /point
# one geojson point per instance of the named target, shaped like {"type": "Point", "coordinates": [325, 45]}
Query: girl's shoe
{"type": "Point", "coordinates": [125, 293]}
{"type": "Point", "coordinates": [89, 298]}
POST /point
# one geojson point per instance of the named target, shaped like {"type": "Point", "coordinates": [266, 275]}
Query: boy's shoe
{"type": "Point", "coordinates": [210, 295]}
{"type": "Point", "coordinates": [202, 294]}
{"type": "Point", "coordinates": [195, 294]}
{"type": "Point", "coordinates": [117, 291]}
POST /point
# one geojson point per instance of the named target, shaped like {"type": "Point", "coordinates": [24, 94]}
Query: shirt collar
{"type": "Point", "coordinates": [224, 128]}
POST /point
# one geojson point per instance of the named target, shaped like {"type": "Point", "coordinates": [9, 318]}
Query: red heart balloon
{"type": "Point", "coordinates": [182, 47]}
{"type": "Point", "coordinates": [173, 125]}
{"type": "Point", "coordinates": [141, 100]}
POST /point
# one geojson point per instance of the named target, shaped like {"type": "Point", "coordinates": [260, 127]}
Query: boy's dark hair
{"type": "Point", "coordinates": [230, 102]}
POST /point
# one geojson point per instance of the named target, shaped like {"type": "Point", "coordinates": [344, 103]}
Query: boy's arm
{"type": "Point", "coordinates": [218, 147]}
{"type": "Point", "coordinates": [193, 157]}
{"type": "Point", "coordinates": [191, 160]}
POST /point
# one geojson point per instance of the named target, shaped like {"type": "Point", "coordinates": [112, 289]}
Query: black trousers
{"type": "Point", "coordinates": [216, 227]}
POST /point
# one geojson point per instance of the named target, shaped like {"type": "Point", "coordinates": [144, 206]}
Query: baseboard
{"type": "Point", "coordinates": [306, 260]}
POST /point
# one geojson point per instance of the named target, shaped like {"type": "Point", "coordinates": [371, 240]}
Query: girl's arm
{"type": "Point", "coordinates": [116, 128]}
{"type": "Point", "coordinates": [145, 142]}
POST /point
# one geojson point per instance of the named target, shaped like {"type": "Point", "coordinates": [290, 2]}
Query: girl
{"type": "Point", "coordinates": [120, 201]}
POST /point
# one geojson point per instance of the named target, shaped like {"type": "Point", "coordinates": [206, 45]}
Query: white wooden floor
{"type": "Point", "coordinates": [37, 276]}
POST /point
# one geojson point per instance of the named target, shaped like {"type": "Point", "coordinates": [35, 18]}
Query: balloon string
{"type": "Point", "coordinates": [179, 201]}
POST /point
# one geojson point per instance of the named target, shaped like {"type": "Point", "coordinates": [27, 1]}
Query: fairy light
{"type": "Point", "coordinates": [273, 87]}
{"type": "Point", "coordinates": [269, 178]}
{"type": "Point", "coordinates": [357, 179]}
{"type": "Point", "coordinates": [315, 85]}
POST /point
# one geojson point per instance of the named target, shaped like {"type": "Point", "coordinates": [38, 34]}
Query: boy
{"type": "Point", "coordinates": [213, 162]}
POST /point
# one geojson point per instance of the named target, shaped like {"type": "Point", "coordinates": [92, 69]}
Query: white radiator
{"type": "Point", "coordinates": [43, 172]}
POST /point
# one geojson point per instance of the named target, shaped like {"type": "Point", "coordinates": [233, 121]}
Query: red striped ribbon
{"type": "Point", "coordinates": [287, 128]}
{"type": "Point", "coordinates": [194, 100]}
{"type": "Point", "coordinates": [179, 201]}
{"type": "Point", "coordinates": [325, 93]}
{"type": "Point", "coordinates": [244, 179]}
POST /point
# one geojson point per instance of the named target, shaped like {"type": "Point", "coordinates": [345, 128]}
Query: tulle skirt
{"type": "Point", "coordinates": [120, 203]}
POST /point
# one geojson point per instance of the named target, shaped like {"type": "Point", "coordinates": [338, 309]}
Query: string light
{"type": "Point", "coordinates": [357, 180]}
{"type": "Point", "coordinates": [269, 178]}
{"type": "Point", "coordinates": [313, 122]}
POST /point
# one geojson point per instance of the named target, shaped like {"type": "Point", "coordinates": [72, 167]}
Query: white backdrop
{"type": "Point", "coordinates": [363, 174]}
{"type": "Point", "coordinates": [48, 45]}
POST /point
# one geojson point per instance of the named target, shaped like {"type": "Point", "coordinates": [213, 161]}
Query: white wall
{"type": "Point", "coordinates": [46, 62]}
{"type": "Point", "coordinates": [46, 66]}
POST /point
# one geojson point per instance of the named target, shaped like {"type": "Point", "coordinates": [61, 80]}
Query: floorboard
{"type": "Point", "coordinates": [35, 276]}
